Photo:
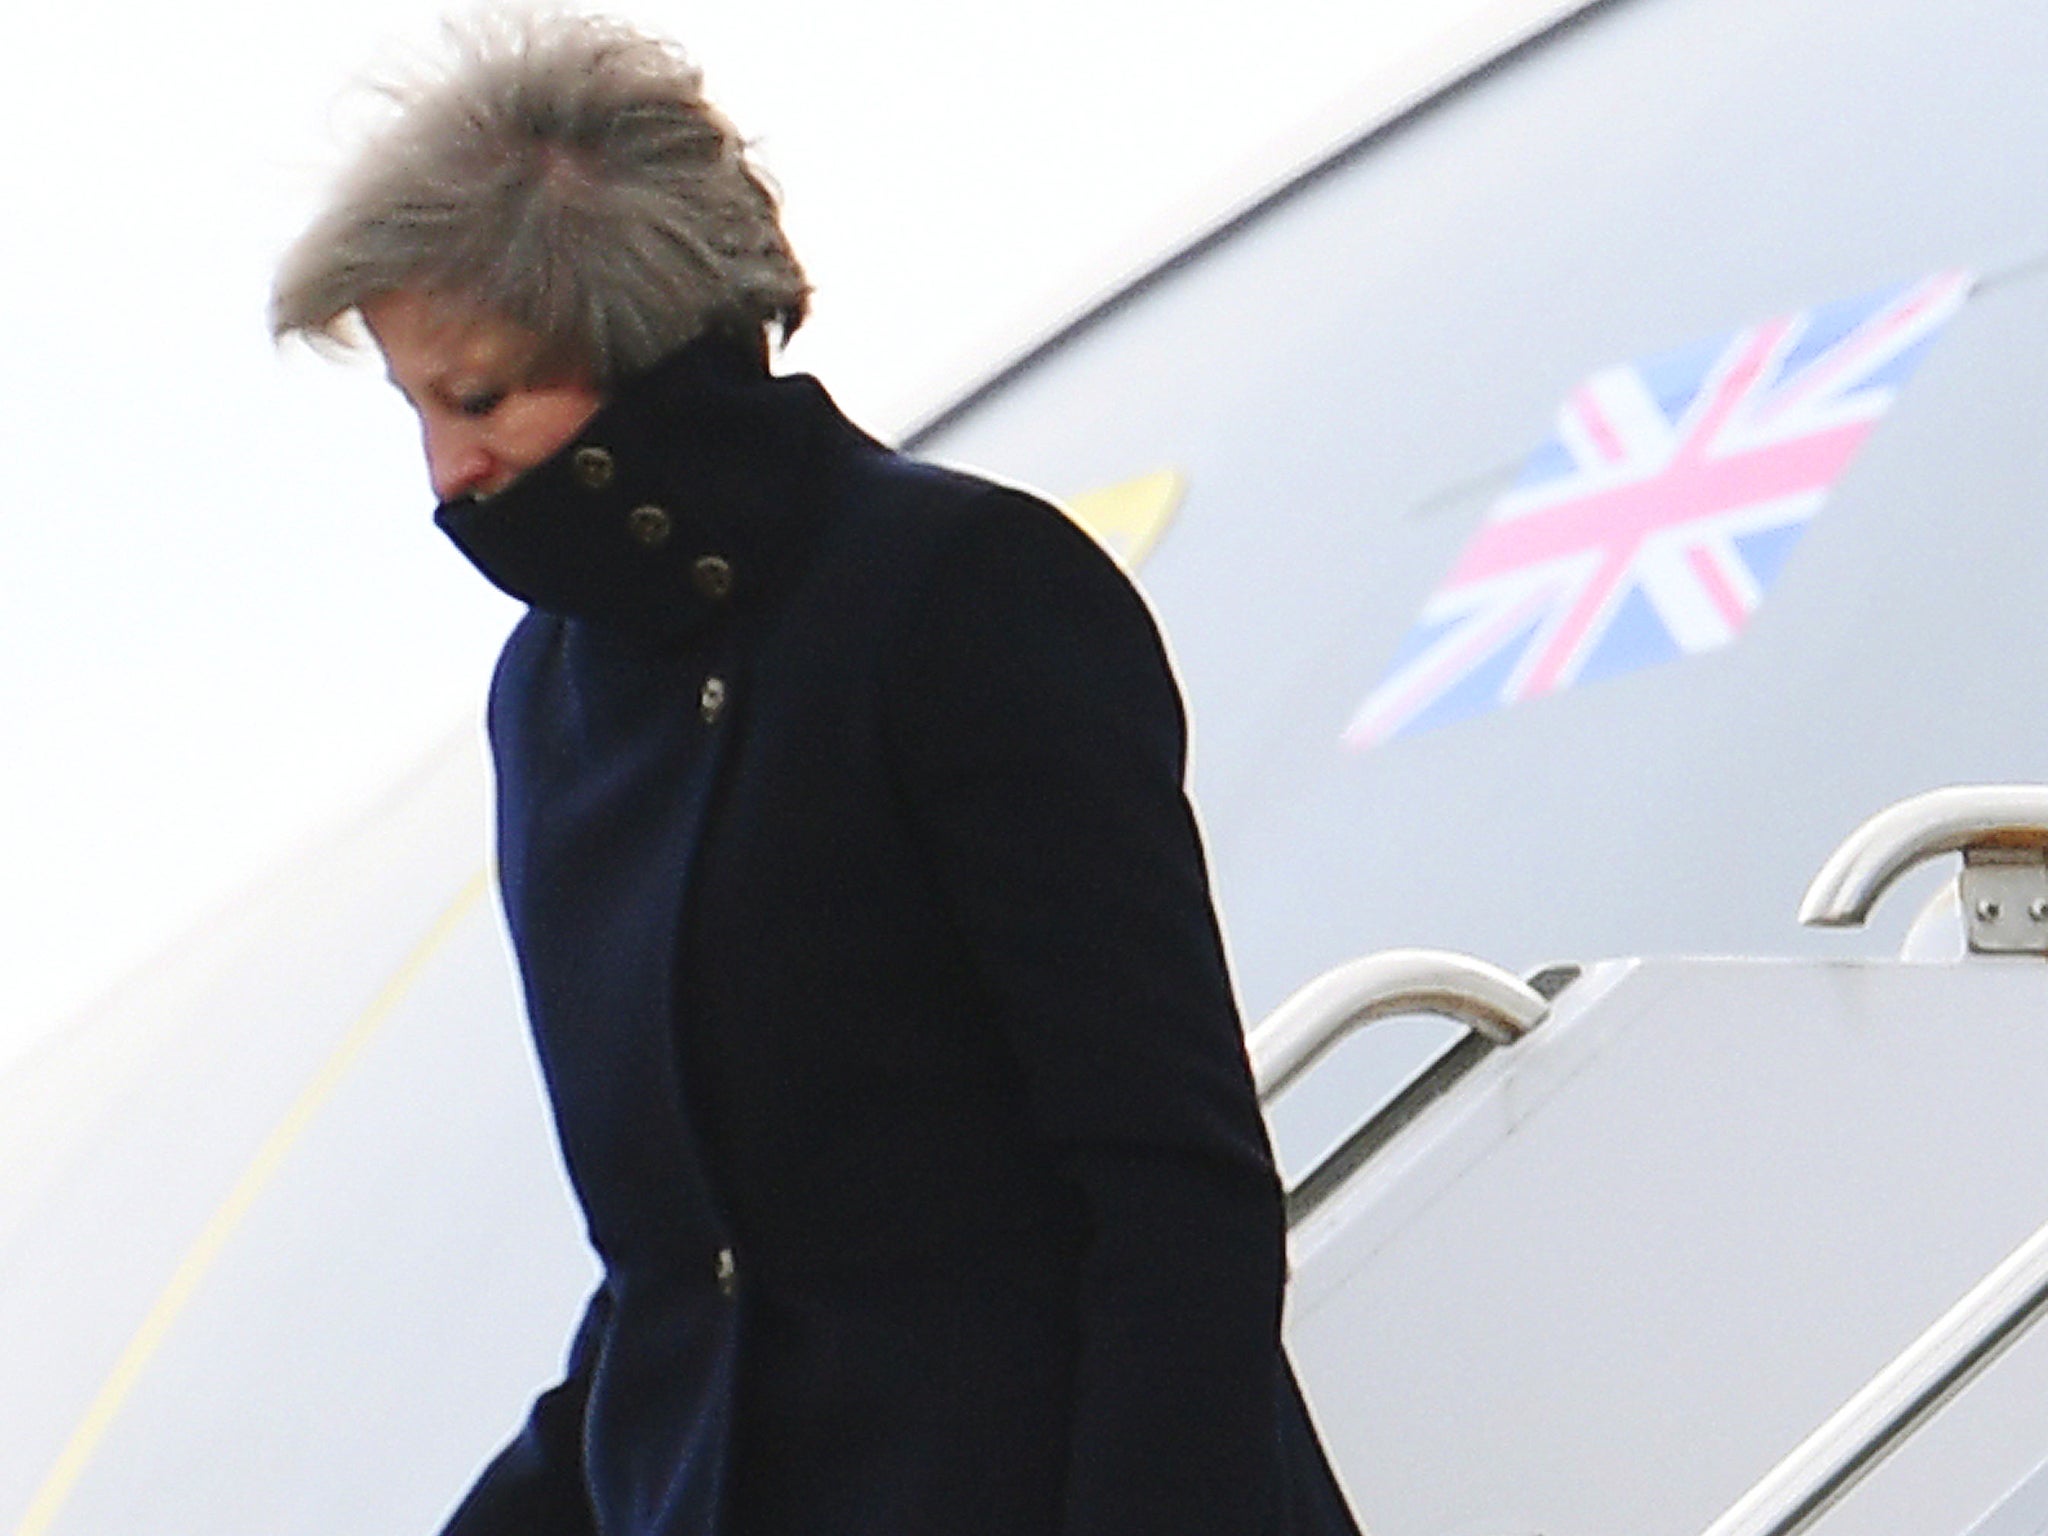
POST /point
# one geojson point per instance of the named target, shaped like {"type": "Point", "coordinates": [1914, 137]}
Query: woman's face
{"type": "Point", "coordinates": [483, 422]}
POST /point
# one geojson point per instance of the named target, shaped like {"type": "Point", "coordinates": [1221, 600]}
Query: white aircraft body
{"type": "Point", "coordinates": [1576, 504]}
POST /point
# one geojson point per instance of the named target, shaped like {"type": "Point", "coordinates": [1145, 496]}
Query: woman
{"type": "Point", "coordinates": [862, 921]}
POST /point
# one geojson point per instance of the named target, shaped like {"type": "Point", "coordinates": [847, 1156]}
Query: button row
{"type": "Point", "coordinates": [650, 525]}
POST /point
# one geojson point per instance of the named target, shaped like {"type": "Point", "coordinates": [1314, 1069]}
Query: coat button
{"type": "Point", "coordinates": [727, 1270]}
{"type": "Point", "coordinates": [711, 700]}
{"type": "Point", "coordinates": [650, 525]}
{"type": "Point", "coordinates": [713, 576]}
{"type": "Point", "coordinates": [593, 467]}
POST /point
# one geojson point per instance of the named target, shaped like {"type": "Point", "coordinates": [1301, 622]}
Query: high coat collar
{"type": "Point", "coordinates": [685, 498]}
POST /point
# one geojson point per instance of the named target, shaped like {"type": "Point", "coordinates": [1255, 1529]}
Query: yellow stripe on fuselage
{"type": "Point", "coordinates": [213, 1238]}
{"type": "Point", "coordinates": [1129, 517]}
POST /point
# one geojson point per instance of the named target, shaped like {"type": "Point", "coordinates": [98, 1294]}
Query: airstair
{"type": "Point", "coordinates": [1705, 1247]}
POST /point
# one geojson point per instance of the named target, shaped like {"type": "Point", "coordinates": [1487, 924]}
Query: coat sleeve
{"type": "Point", "coordinates": [1043, 748]}
{"type": "Point", "coordinates": [535, 1486]}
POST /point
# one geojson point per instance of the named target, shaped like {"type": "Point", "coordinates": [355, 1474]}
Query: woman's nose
{"type": "Point", "coordinates": [457, 463]}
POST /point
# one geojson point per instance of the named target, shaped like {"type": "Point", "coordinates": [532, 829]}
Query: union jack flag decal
{"type": "Point", "coordinates": [1650, 525]}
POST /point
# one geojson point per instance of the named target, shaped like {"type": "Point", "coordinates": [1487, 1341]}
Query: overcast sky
{"type": "Point", "coordinates": [228, 619]}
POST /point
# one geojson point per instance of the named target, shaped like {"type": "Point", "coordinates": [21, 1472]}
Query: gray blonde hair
{"type": "Point", "coordinates": [564, 173]}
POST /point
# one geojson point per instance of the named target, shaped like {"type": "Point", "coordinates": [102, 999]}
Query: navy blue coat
{"type": "Point", "coordinates": [869, 950]}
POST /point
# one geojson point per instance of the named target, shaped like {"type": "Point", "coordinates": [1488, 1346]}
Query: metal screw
{"type": "Point", "coordinates": [1989, 911]}
{"type": "Point", "coordinates": [2037, 909]}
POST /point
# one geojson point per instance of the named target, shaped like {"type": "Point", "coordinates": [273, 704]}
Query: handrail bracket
{"type": "Point", "coordinates": [2004, 894]}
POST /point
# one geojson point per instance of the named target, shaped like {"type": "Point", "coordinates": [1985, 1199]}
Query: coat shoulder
{"type": "Point", "coordinates": [953, 513]}
{"type": "Point", "coordinates": [995, 553]}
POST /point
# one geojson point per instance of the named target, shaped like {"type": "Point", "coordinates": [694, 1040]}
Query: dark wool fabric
{"type": "Point", "coordinates": [868, 947]}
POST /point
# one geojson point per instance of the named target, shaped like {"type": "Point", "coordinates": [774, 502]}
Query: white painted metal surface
{"type": "Point", "coordinates": [1628, 1266]}
{"type": "Point", "coordinates": [1977, 1468]}
{"type": "Point", "coordinates": [1878, 1420]}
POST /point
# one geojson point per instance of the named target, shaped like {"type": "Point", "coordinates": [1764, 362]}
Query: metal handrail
{"type": "Point", "coordinates": [1957, 819]}
{"type": "Point", "coordinates": [1294, 1036]}
{"type": "Point", "coordinates": [1873, 1423]}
